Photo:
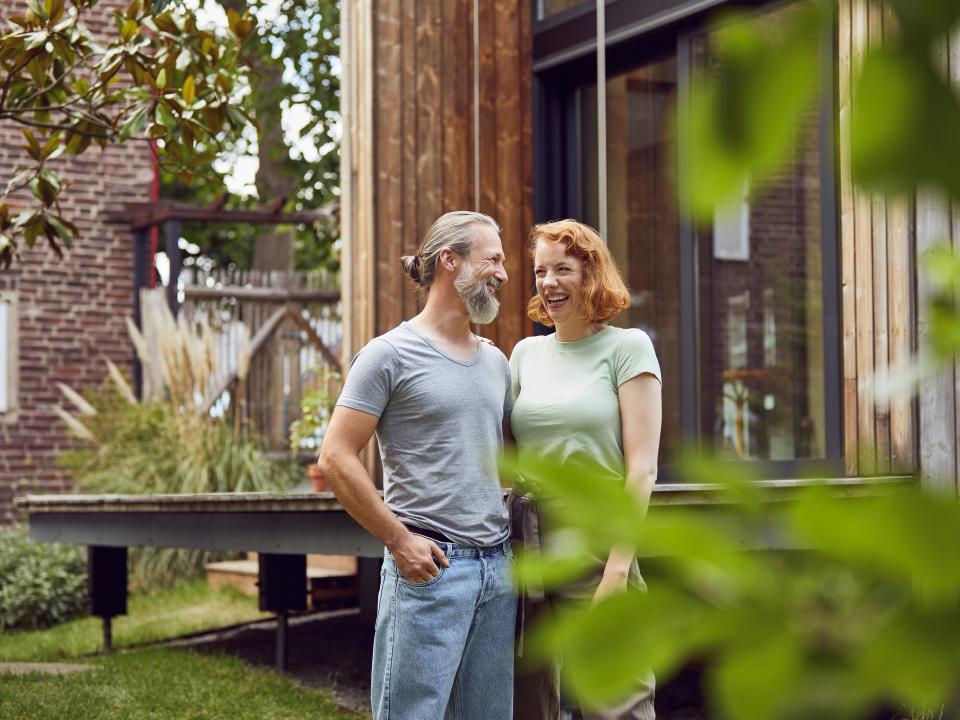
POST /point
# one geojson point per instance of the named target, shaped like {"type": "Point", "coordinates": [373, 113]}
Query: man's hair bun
{"type": "Point", "coordinates": [413, 266]}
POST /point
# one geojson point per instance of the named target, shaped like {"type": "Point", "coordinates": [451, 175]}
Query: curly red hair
{"type": "Point", "coordinates": [604, 292]}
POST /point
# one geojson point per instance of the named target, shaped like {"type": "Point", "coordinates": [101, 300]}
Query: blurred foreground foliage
{"type": "Point", "coordinates": [860, 609]}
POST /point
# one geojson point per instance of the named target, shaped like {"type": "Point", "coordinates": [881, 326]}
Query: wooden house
{"type": "Point", "coordinates": [770, 323]}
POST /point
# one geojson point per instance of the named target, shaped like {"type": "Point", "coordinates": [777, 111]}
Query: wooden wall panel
{"type": "Point", "coordinates": [847, 255]}
{"type": "Point", "coordinates": [422, 102]}
{"type": "Point", "coordinates": [407, 192]}
{"type": "Point", "coordinates": [902, 338]}
{"type": "Point", "coordinates": [389, 163]}
{"type": "Point", "coordinates": [877, 279]}
{"type": "Point", "coordinates": [509, 209]}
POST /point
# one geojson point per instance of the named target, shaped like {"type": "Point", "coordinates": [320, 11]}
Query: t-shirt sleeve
{"type": "Point", "coordinates": [508, 392]}
{"type": "Point", "coordinates": [636, 356]}
{"type": "Point", "coordinates": [515, 370]}
{"type": "Point", "coordinates": [373, 377]}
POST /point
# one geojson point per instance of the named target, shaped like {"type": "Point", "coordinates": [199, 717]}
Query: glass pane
{"type": "Point", "coordinates": [545, 8]}
{"type": "Point", "coordinates": [642, 224]}
{"type": "Point", "coordinates": [761, 315]}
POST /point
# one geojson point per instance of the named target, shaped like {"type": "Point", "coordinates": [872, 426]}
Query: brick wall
{"type": "Point", "coordinates": [70, 311]}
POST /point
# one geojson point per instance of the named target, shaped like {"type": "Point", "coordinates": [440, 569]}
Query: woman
{"type": "Point", "coordinates": [588, 390]}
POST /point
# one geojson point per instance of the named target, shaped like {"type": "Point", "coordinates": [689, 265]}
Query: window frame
{"type": "Point", "coordinates": [11, 356]}
{"type": "Point", "coordinates": [564, 55]}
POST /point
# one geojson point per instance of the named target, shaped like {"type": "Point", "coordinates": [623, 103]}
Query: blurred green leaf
{"type": "Point", "coordinates": [756, 682]}
{"type": "Point", "coordinates": [740, 120]}
{"type": "Point", "coordinates": [902, 101]}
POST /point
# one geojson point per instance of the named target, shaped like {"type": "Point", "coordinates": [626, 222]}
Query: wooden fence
{"type": "Point", "coordinates": [287, 326]}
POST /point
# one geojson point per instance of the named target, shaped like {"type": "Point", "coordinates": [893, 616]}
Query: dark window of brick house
{"type": "Point", "coordinates": [738, 309]}
{"type": "Point", "coordinates": [8, 355]}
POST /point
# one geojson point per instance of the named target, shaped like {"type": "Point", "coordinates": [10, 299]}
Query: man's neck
{"type": "Point", "coordinates": [444, 316]}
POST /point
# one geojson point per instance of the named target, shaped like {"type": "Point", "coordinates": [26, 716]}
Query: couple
{"type": "Point", "coordinates": [441, 403]}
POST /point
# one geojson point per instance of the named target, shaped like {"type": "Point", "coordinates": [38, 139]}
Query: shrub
{"type": "Point", "coordinates": [40, 584]}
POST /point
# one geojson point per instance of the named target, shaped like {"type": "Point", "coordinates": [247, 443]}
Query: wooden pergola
{"type": "Point", "coordinates": [166, 220]}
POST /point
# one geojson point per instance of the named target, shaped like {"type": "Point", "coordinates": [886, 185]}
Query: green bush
{"type": "Point", "coordinates": [40, 584]}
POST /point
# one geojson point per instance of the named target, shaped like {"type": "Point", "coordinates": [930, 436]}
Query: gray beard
{"type": "Point", "coordinates": [477, 296]}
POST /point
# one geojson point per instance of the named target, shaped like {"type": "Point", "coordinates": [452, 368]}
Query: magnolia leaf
{"type": "Point", "coordinates": [189, 91]}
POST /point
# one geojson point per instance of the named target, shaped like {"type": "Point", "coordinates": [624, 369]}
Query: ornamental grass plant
{"type": "Point", "coordinates": [168, 442]}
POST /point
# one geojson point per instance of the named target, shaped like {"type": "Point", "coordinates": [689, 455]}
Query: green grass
{"type": "Point", "coordinates": [154, 684]}
{"type": "Point", "coordinates": [184, 609]}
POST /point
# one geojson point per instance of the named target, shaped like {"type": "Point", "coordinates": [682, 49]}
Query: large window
{"type": "Point", "coordinates": [742, 309]}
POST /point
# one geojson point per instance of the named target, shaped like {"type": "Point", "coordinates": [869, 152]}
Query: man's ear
{"type": "Point", "coordinates": [448, 259]}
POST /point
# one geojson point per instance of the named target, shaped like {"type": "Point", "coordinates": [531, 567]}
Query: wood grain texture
{"type": "Point", "coordinates": [901, 341]}
{"type": "Point", "coordinates": [881, 323]}
{"type": "Point", "coordinates": [863, 277]}
{"type": "Point", "coordinates": [936, 395]}
{"type": "Point", "coordinates": [388, 36]}
{"type": "Point", "coordinates": [411, 237]}
{"type": "Point", "coordinates": [457, 81]}
{"type": "Point", "coordinates": [847, 247]}
{"type": "Point", "coordinates": [953, 59]}
{"type": "Point", "coordinates": [429, 103]}
{"type": "Point", "coordinates": [902, 313]}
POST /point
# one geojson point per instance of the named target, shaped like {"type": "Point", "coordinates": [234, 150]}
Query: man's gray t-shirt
{"type": "Point", "coordinates": [439, 433]}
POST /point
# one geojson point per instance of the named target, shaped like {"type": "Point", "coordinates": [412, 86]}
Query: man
{"type": "Point", "coordinates": [436, 397]}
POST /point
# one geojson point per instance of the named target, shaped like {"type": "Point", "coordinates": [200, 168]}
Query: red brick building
{"type": "Point", "coordinates": [64, 316]}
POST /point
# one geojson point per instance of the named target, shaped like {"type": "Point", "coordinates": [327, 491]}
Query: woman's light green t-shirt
{"type": "Point", "coordinates": [566, 403]}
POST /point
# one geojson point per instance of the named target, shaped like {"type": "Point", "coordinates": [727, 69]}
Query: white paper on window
{"type": "Point", "coordinates": [731, 228]}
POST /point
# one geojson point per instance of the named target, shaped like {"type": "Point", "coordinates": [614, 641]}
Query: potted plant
{"type": "Point", "coordinates": [306, 433]}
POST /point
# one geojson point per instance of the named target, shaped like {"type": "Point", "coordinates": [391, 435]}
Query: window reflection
{"type": "Point", "coordinates": [759, 332]}
{"type": "Point", "coordinates": [761, 316]}
{"type": "Point", "coordinates": [642, 224]}
{"type": "Point", "coordinates": [545, 8]}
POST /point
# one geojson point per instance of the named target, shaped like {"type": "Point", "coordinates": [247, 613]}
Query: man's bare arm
{"type": "Point", "coordinates": [348, 433]}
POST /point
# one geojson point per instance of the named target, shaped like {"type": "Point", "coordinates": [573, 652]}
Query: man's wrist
{"type": "Point", "coordinates": [396, 536]}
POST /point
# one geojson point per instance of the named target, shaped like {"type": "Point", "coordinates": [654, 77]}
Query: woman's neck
{"type": "Point", "coordinates": [574, 330]}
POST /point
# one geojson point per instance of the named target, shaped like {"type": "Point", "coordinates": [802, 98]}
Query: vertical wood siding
{"type": "Point", "coordinates": [422, 107]}
{"type": "Point", "coordinates": [877, 271]}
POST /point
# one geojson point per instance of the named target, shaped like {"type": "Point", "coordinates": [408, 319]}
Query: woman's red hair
{"type": "Point", "coordinates": [604, 292]}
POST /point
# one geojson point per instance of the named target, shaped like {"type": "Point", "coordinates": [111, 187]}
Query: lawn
{"type": "Point", "coordinates": [184, 609]}
{"type": "Point", "coordinates": [160, 684]}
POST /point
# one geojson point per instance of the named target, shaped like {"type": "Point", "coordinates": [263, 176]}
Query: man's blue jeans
{"type": "Point", "coordinates": [443, 649]}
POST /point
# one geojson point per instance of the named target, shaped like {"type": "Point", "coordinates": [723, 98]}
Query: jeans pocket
{"type": "Point", "coordinates": [426, 583]}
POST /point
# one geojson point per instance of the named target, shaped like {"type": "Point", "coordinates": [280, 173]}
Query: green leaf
{"type": "Point", "coordinates": [166, 23]}
{"type": "Point", "coordinates": [64, 230]}
{"type": "Point", "coordinates": [756, 682]}
{"type": "Point", "coordinates": [37, 9]}
{"type": "Point", "coordinates": [33, 145]}
{"type": "Point", "coordinates": [51, 147]}
{"type": "Point", "coordinates": [740, 122]}
{"type": "Point", "coordinates": [129, 30]}
{"type": "Point", "coordinates": [901, 100]}
{"type": "Point", "coordinates": [134, 125]}
{"type": "Point", "coordinates": [189, 91]}
{"type": "Point", "coordinates": [37, 39]}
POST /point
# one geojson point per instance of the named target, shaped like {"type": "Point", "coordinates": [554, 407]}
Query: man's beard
{"type": "Point", "coordinates": [477, 295]}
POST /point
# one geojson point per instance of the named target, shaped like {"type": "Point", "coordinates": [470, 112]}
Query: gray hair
{"type": "Point", "coordinates": [450, 230]}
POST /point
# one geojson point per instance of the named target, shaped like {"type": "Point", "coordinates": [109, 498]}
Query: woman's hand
{"type": "Point", "coordinates": [614, 580]}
